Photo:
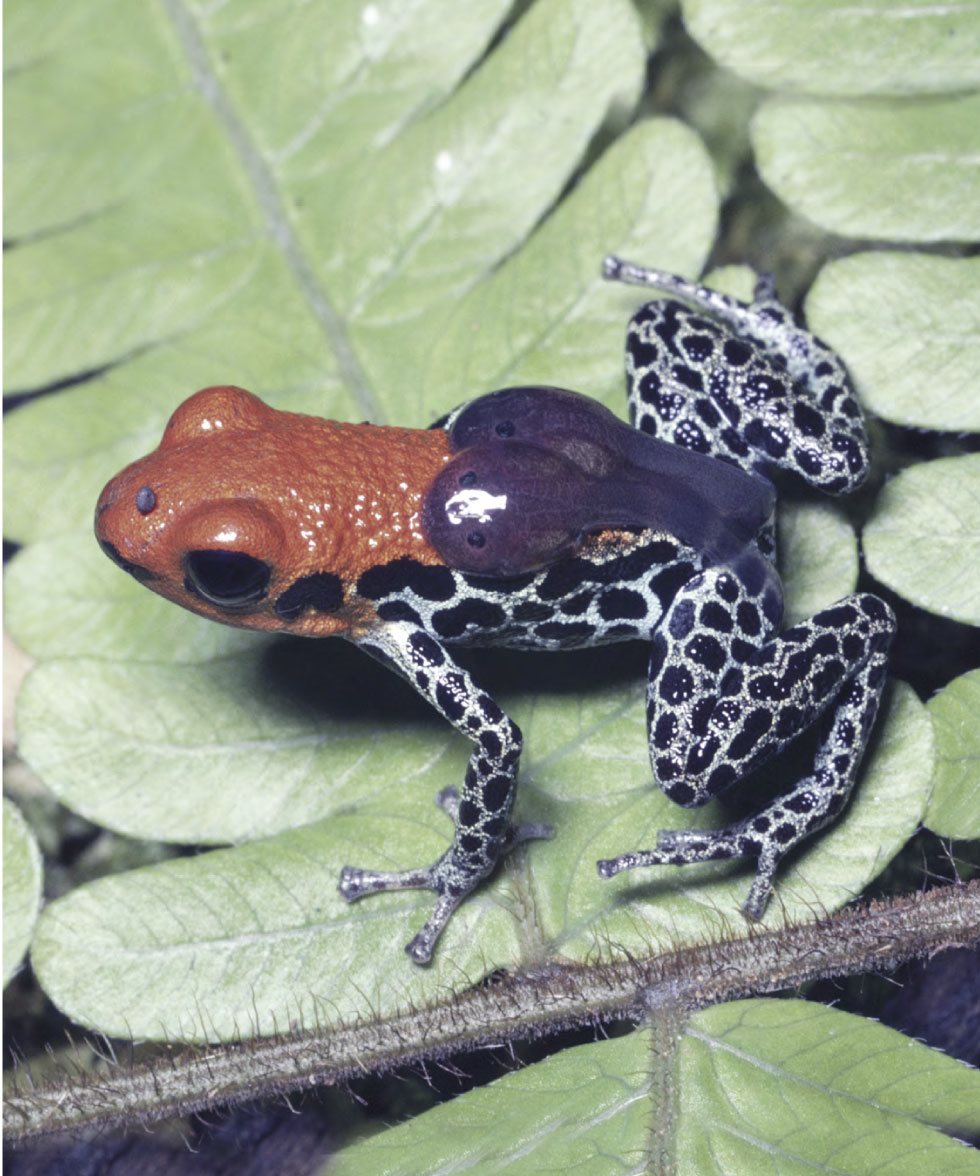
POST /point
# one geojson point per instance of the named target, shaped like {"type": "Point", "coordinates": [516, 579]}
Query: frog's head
{"type": "Point", "coordinates": [263, 518]}
{"type": "Point", "coordinates": [183, 519]}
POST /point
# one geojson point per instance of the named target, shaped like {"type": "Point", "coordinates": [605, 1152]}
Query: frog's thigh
{"type": "Point", "coordinates": [725, 693]}
{"type": "Point", "coordinates": [719, 708]}
{"type": "Point", "coordinates": [694, 382]}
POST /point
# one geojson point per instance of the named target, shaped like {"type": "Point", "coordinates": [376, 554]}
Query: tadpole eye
{"type": "Point", "coordinates": [505, 429]}
{"type": "Point", "coordinates": [229, 579]}
{"type": "Point", "coordinates": [476, 539]}
{"type": "Point", "coordinates": [468, 478]}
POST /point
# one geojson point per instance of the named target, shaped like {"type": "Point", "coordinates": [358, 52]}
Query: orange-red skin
{"type": "Point", "coordinates": [301, 493]}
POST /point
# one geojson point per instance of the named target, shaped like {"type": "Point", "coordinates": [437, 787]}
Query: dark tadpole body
{"type": "Point", "coordinates": [538, 469]}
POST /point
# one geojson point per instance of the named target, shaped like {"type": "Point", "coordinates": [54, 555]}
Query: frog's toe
{"type": "Point", "coordinates": [755, 905]}
{"type": "Point", "coordinates": [420, 947]}
{"type": "Point", "coordinates": [448, 801]}
{"type": "Point", "coordinates": [675, 847]}
{"type": "Point", "coordinates": [355, 883]}
{"type": "Point", "coordinates": [528, 831]}
{"type": "Point", "coordinates": [682, 847]}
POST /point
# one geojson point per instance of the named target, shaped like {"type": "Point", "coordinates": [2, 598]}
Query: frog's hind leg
{"type": "Point", "coordinates": [726, 693]}
{"type": "Point", "coordinates": [740, 381]}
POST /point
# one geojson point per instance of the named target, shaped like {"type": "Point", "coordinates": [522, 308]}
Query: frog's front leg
{"type": "Point", "coordinates": [726, 693]}
{"type": "Point", "coordinates": [484, 831]}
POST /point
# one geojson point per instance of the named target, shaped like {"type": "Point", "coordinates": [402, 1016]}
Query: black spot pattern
{"type": "Point", "coordinates": [319, 592]}
{"type": "Point", "coordinates": [472, 613]}
{"type": "Point", "coordinates": [622, 603]}
{"type": "Point", "coordinates": [425, 581]}
{"type": "Point", "coordinates": [726, 689]}
{"type": "Point", "coordinates": [399, 610]}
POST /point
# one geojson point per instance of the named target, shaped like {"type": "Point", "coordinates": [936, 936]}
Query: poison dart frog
{"type": "Point", "coordinates": [534, 518]}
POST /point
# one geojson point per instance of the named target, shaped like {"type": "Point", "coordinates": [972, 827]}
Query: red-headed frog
{"type": "Point", "coordinates": [534, 518]}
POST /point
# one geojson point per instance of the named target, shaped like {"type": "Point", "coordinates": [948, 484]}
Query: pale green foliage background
{"type": "Point", "coordinates": [21, 887]}
{"type": "Point", "coordinates": [809, 1081]}
{"type": "Point", "coordinates": [378, 211]}
{"type": "Point", "coordinates": [954, 807]}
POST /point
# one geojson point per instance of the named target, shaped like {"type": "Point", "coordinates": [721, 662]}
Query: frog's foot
{"type": "Point", "coordinates": [730, 310]}
{"type": "Point", "coordinates": [448, 801]}
{"type": "Point", "coordinates": [682, 847]}
{"type": "Point", "coordinates": [452, 877]}
{"type": "Point", "coordinates": [743, 316]}
{"type": "Point", "coordinates": [356, 883]}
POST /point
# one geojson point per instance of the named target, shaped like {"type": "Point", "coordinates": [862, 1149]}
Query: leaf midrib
{"type": "Point", "coordinates": [267, 197]}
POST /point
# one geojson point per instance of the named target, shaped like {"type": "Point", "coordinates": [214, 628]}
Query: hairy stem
{"type": "Point", "coordinates": [525, 1004]}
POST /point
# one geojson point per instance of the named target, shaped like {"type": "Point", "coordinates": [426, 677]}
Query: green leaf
{"type": "Point", "coordinates": [257, 939]}
{"type": "Point", "coordinates": [829, 47]}
{"type": "Point", "coordinates": [888, 170]}
{"type": "Point", "coordinates": [954, 808]}
{"type": "Point", "coordinates": [909, 325]}
{"type": "Point", "coordinates": [760, 1085]}
{"type": "Point", "coordinates": [546, 316]}
{"type": "Point", "coordinates": [791, 1086]}
{"type": "Point", "coordinates": [234, 748]}
{"type": "Point", "coordinates": [818, 556]}
{"type": "Point", "coordinates": [245, 940]}
{"type": "Point", "coordinates": [246, 246]}
{"type": "Point", "coordinates": [22, 877]}
{"type": "Point", "coordinates": [583, 1110]}
{"type": "Point", "coordinates": [65, 599]}
{"type": "Point", "coordinates": [192, 200]}
{"type": "Point", "coordinates": [923, 539]}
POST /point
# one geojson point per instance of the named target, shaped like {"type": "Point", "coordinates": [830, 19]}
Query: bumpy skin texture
{"type": "Point", "coordinates": [271, 520]}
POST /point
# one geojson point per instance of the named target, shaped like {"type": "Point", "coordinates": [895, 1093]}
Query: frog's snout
{"type": "Point", "coordinates": [107, 499]}
{"type": "Point", "coordinates": [109, 533]}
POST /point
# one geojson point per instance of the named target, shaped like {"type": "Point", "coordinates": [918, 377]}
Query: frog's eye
{"type": "Point", "coordinates": [229, 579]}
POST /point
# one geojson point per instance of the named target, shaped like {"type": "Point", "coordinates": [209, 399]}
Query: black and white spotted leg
{"type": "Point", "coordinates": [484, 831]}
{"type": "Point", "coordinates": [726, 693]}
{"type": "Point", "coordinates": [769, 395]}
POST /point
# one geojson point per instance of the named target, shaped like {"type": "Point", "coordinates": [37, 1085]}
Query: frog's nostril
{"type": "Point", "coordinates": [146, 500]}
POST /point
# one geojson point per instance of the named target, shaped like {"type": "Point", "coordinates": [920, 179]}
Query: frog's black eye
{"type": "Point", "coordinates": [468, 478]}
{"type": "Point", "coordinates": [229, 579]}
{"type": "Point", "coordinates": [505, 429]}
{"type": "Point", "coordinates": [476, 539]}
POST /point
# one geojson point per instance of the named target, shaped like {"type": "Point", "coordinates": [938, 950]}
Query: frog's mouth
{"type": "Point", "coordinates": [137, 571]}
